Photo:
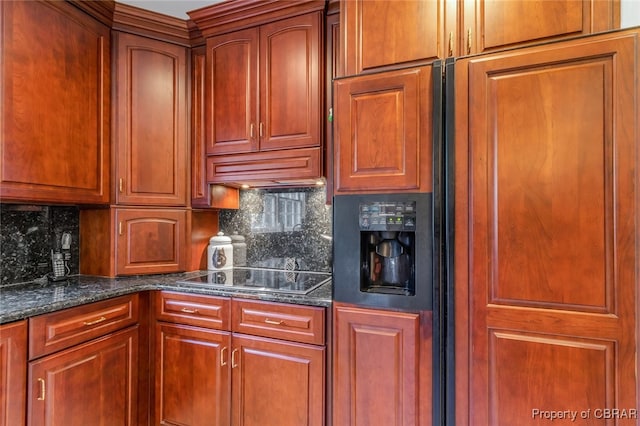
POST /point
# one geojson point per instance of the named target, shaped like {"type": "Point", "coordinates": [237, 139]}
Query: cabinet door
{"type": "Point", "coordinates": [91, 384]}
{"type": "Point", "coordinates": [490, 25]}
{"type": "Point", "coordinates": [381, 374]}
{"type": "Point", "coordinates": [54, 132]}
{"type": "Point", "coordinates": [546, 230]}
{"type": "Point", "coordinates": [277, 383]}
{"type": "Point", "coordinates": [383, 133]}
{"type": "Point", "coordinates": [231, 97]}
{"type": "Point", "coordinates": [150, 121]}
{"type": "Point", "coordinates": [291, 64]}
{"type": "Point", "coordinates": [379, 34]}
{"type": "Point", "coordinates": [193, 386]}
{"type": "Point", "coordinates": [150, 241]}
{"type": "Point", "coordinates": [13, 373]}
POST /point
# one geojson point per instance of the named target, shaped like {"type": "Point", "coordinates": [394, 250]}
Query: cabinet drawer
{"type": "Point", "coordinates": [193, 309]}
{"type": "Point", "coordinates": [298, 323]}
{"type": "Point", "coordinates": [59, 330]}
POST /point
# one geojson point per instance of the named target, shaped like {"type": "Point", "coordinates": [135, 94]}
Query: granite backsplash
{"type": "Point", "coordinates": [293, 223]}
{"type": "Point", "coordinates": [276, 224]}
{"type": "Point", "coordinates": [27, 236]}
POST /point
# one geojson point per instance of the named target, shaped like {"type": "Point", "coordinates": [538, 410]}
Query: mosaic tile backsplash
{"type": "Point", "coordinates": [283, 224]}
{"type": "Point", "coordinates": [27, 236]}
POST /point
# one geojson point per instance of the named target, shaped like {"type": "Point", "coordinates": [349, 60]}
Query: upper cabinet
{"type": "Point", "coordinates": [265, 85]}
{"type": "Point", "coordinates": [264, 90]}
{"type": "Point", "coordinates": [151, 143]}
{"type": "Point", "coordinates": [55, 72]}
{"type": "Point", "coordinates": [491, 25]}
{"type": "Point", "coordinates": [378, 34]}
{"type": "Point", "coordinates": [382, 34]}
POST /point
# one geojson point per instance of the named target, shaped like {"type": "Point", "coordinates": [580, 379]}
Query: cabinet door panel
{"type": "Point", "coordinates": [384, 132]}
{"type": "Point", "coordinates": [192, 376]}
{"type": "Point", "coordinates": [277, 383]}
{"type": "Point", "coordinates": [91, 384]}
{"type": "Point", "coordinates": [378, 378]}
{"type": "Point", "coordinates": [151, 120]}
{"type": "Point", "coordinates": [13, 372]}
{"type": "Point", "coordinates": [548, 136]}
{"type": "Point", "coordinates": [490, 25]}
{"type": "Point", "coordinates": [54, 143]}
{"type": "Point", "coordinates": [290, 83]}
{"type": "Point", "coordinates": [150, 241]}
{"type": "Point", "coordinates": [381, 33]}
{"type": "Point", "coordinates": [231, 99]}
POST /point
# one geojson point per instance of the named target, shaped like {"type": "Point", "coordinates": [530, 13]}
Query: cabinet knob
{"type": "Point", "coordinates": [94, 322]}
{"type": "Point", "coordinates": [468, 41]}
{"type": "Point", "coordinates": [251, 128]}
{"type": "Point", "coordinates": [450, 43]}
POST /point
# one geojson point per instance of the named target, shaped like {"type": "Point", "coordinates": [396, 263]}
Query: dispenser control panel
{"type": "Point", "coordinates": [388, 216]}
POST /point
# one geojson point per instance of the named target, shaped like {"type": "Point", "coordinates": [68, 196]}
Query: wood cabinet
{"type": "Point", "coordinates": [546, 241]}
{"type": "Point", "coordinates": [381, 367]}
{"type": "Point", "coordinates": [491, 25]}
{"type": "Point", "coordinates": [151, 143]}
{"type": "Point", "coordinates": [55, 131]}
{"type": "Point", "coordinates": [13, 373]}
{"type": "Point", "coordinates": [267, 377]}
{"type": "Point", "coordinates": [81, 371]}
{"type": "Point", "coordinates": [132, 241]}
{"type": "Point", "coordinates": [382, 34]}
{"type": "Point", "coordinates": [379, 34]}
{"type": "Point", "coordinates": [383, 132]}
{"type": "Point", "coordinates": [264, 90]}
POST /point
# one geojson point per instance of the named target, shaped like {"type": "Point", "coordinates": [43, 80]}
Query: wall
{"type": "Point", "coordinates": [27, 236]}
{"type": "Point", "coordinates": [307, 239]}
{"type": "Point", "coordinates": [629, 13]}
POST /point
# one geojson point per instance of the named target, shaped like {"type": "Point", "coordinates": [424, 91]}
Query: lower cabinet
{"type": "Point", "coordinates": [92, 384]}
{"type": "Point", "coordinates": [83, 365]}
{"type": "Point", "coordinates": [382, 367]}
{"type": "Point", "coordinates": [207, 373]}
{"type": "Point", "coordinates": [13, 357]}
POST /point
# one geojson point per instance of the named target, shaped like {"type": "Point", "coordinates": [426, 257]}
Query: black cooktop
{"type": "Point", "coordinates": [262, 279]}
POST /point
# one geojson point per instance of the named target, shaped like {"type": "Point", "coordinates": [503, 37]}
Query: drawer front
{"type": "Point", "coordinates": [193, 309]}
{"type": "Point", "coordinates": [298, 323]}
{"type": "Point", "coordinates": [59, 330]}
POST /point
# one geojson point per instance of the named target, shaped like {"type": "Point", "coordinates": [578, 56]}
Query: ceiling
{"type": "Point", "coordinates": [176, 8]}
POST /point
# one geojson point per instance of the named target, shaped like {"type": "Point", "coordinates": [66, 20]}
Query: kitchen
{"type": "Point", "coordinates": [130, 216]}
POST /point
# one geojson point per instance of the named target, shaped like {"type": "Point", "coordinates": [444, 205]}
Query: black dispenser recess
{"type": "Point", "coordinates": [383, 250]}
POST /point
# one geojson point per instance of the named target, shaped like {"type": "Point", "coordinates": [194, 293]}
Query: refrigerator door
{"type": "Point", "coordinates": [546, 230]}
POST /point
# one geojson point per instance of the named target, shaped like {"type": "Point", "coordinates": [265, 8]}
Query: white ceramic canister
{"type": "Point", "coordinates": [219, 253]}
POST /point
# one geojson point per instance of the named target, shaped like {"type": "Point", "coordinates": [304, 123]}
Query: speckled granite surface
{"type": "Point", "coordinates": [26, 300]}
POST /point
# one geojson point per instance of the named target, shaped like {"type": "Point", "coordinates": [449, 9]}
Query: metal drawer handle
{"type": "Point", "coordinates": [222, 360]}
{"type": "Point", "coordinates": [233, 358]}
{"type": "Point", "coordinates": [42, 389]}
{"type": "Point", "coordinates": [274, 322]}
{"type": "Point", "coordinates": [189, 311]}
{"type": "Point", "coordinates": [94, 322]}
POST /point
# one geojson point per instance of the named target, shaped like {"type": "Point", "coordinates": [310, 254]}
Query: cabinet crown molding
{"type": "Point", "coordinates": [155, 25]}
{"type": "Point", "coordinates": [234, 15]}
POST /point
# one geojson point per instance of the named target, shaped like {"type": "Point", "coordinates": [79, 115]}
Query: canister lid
{"type": "Point", "coordinates": [236, 238]}
{"type": "Point", "coordinates": [219, 239]}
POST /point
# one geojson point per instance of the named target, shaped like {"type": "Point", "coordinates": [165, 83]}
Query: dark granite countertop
{"type": "Point", "coordinates": [22, 301]}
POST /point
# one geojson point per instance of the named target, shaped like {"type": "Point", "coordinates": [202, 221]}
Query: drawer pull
{"type": "Point", "coordinates": [274, 322]}
{"type": "Point", "coordinates": [42, 389]}
{"type": "Point", "coordinates": [189, 311]}
{"type": "Point", "coordinates": [94, 322]}
{"type": "Point", "coordinates": [222, 360]}
{"type": "Point", "coordinates": [233, 358]}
